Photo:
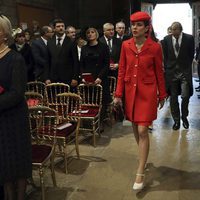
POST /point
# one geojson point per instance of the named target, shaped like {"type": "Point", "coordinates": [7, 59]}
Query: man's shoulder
{"type": "Point", "coordinates": [188, 35]}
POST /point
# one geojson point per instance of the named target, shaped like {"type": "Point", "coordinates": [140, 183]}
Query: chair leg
{"type": "Point", "coordinates": [77, 144]}
{"type": "Point", "coordinates": [65, 161]}
{"type": "Point", "coordinates": [93, 132]}
{"type": "Point", "coordinates": [53, 172]}
{"type": "Point", "coordinates": [41, 173]}
{"type": "Point", "coordinates": [63, 154]}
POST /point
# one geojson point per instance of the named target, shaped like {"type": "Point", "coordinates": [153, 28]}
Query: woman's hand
{"type": "Point", "coordinates": [98, 81]}
{"type": "Point", "coordinates": [161, 103]}
{"type": "Point", "coordinates": [117, 101]}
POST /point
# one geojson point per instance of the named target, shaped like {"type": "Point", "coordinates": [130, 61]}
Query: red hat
{"type": "Point", "coordinates": [140, 16]}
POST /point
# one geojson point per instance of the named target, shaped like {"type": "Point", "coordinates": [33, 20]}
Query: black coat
{"type": "Point", "coordinates": [62, 68]}
{"type": "Point", "coordinates": [95, 60]}
{"type": "Point", "coordinates": [15, 139]}
{"type": "Point", "coordinates": [41, 59]}
{"type": "Point", "coordinates": [115, 54]}
{"type": "Point", "coordinates": [184, 59]}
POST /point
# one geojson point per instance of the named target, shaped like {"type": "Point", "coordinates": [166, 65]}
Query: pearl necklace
{"type": "Point", "coordinates": [3, 49]}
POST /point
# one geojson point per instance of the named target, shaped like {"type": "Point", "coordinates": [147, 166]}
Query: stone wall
{"type": "Point", "coordinates": [196, 21]}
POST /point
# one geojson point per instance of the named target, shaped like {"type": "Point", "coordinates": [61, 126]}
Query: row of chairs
{"type": "Point", "coordinates": [55, 117]}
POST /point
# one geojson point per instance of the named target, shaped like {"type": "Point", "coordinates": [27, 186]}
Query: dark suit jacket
{"type": "Point", "coordinates": [62, 68]}
{"type": "Point", "coordinates": [41, 58]}
{"type": "Point", "coordinates": [184, 59]}
{"type": "Point", "coordinates": [125, 37]}
{"type": "Point", "coordinates": [115, 54]}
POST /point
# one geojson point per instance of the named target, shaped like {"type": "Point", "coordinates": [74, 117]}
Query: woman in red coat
{"type": "Point", "coordinates": [141, 79]}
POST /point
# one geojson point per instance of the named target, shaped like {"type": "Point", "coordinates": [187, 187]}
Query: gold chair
{"type": "Point", "coordinates": [68, 106]}
{"type": "Point", "coordinates": [33, 99]}
{"type": "Point", "coordinates": [52, 90]}
{"type": "Point", "coordinates": [91, 95]}
{"type": "Point", "coordinates": [37, 86]}
{"type": "Point", "coordinates": [112, 87]}
{"type": "Point", "coordinates": [43, 128]}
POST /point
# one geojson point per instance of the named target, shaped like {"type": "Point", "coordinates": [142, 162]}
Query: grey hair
{"type": "Point", "coordinates": [118, 24]}
{"type": "Point", "coordinates": [6, 28]}
{"type": "Point", "coordinates": [106, 25]}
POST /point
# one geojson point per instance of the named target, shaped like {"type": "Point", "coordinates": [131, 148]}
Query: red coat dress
{"type": "Point", "coordinates": [141, 78]}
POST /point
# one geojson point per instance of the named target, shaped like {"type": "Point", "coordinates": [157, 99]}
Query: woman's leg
{"type": "Point", "coordinates": [135, 131]}
{"type": "Point", "coordinates": [21, 189]}
{"type": "Point", "coordinates": [143, 151]}
{"type": "Point", "coordinates": [9, 191]}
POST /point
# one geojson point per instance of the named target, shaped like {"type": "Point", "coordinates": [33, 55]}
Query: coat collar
{"type": "Point", "coordinates": [146, 45]}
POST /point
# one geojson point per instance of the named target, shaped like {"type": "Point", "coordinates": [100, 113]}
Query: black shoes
{"type": "Point", "coordinates": [176, 126]}
{"type": "Point", "coordinates": [185, 123]}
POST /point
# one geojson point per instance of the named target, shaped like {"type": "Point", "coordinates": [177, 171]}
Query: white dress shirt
{"type": "Point", "coordinates": [179, 42]}
{"type": "Point", "coordinates": [61, 39]}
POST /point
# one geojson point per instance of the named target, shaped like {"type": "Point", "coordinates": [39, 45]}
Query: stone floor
{"type": "Point", "coordinates": [107, 171]}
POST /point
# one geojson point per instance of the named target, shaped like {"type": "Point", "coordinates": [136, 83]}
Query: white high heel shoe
{"type": "Point", "coordinates": [139, 186]}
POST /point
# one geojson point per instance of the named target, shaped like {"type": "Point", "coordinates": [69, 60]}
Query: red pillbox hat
{"type": "Point", "coordinates": [140, 16]}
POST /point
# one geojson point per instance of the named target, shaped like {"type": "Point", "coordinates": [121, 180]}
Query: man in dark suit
{"type": "Point", "coordinates": [114, 45]}
{"type": "Point", "coordinates": [120, 31]}
{"type": "Point", "coordinates": [62, 68]}
{"type": "Point", "coordinates": [40, 53]}
{"type": "Point", "coordinates": [178, 50]}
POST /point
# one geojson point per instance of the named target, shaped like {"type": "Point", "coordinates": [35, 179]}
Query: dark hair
{"type": "Point", "coordinates": [55, 21]}
{"type": "Point", "coordinates": [146, 23]}
{"type": "Point", "coordinates": [44, 30]}
{"type": "Point", "coordinates": [177, 24]}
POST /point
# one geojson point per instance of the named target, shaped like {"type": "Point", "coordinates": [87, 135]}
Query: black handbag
{"type": "Point", "coordinates": [118, 113]}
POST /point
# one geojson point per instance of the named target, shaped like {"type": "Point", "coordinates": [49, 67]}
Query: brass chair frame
{"type": "Point", "coordinates": [37, 86]}
{"type": "Point", "coordinates": [112, 87]}
{"type": "Point", "coordinates": [34, 95]}
{"type": "Point", "coordinates": [91, 95]}
{"type": "Point", "coordinates": [52, 90]}
{"type": "Point", "coordinates": [68, 106]}
{"type": "Point", "coordinates": [43, 126]}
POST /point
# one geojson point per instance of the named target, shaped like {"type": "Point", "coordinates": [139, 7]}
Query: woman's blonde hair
{"type": "Point", "coordinates": [94, 29]}
{"type": "Point", "coordinates": [6, 28]}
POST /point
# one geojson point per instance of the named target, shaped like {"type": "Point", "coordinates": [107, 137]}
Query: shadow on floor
{"type": "Point", "coordinates": [77, 166]}
{"type": "Point", "coordinates": [169, 179]}
{"type": "Point", "coordinates": [51, 193]}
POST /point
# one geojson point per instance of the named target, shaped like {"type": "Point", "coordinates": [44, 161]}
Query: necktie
{"type": "Point", "coordinates": [177, 45]}
{"type": "Point", "coordinates": [58, 42]}
{"type": "Point", "coordinates": [109, 45]}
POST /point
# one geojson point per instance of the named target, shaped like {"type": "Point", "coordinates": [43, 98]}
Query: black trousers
{"type": "Point", "coordinates": [179, 82]}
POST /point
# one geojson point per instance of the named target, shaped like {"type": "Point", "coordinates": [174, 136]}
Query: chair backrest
{"type": "Point", "coordinates": [91, 94]}
{"type": "Point", "coordinates": [33, 99]}
{"type": "Point", "coordinates": [36, 86]}
{"type": "Point", "coordinates": [69, 107]}
{"type": "Point", "coordinates": [53, 89]}
{"type": "Point", "coordinates": [43, 124]}
{"type": "Point", "coordinates": [112, 85]}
